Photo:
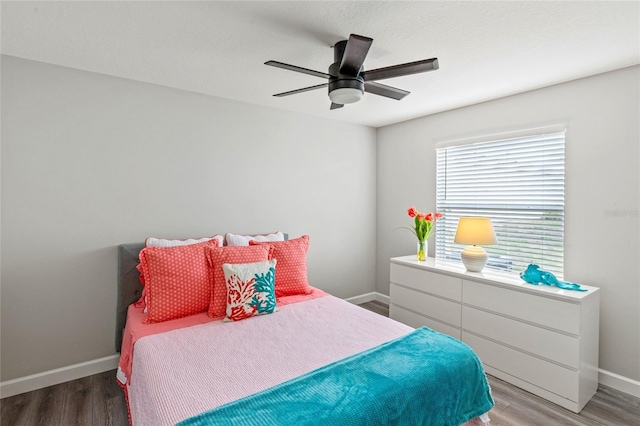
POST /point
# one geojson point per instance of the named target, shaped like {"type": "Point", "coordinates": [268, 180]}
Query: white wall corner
{"type": "Point", "coordinates": [368, 297]}
{"type": "Point", "coordinates": [363, 298]}
{"type": "Point", "coordinates": [59, 375]}
{"type": "Point", "coordinates": [617, 382]}
{"type": "Point", "coordinates": [382, 298]}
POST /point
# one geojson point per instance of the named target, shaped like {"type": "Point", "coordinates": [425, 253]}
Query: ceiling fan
{"type": "Point", "coordinates": [347, 78]}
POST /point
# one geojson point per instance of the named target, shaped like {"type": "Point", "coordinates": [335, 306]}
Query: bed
{"type": "Point", "coordinates": [317, 360]}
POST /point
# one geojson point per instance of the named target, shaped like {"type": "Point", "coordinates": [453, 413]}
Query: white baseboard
{"type": "Point", "coordinates": [382, 298]}
{"type": "Point", "coordinates": [72, 372]}
{"type": "Point", "coordinates": [59, 375]}
{"type": "Point", "coordinates": [368, 297]}
{"type": "Point", "coordinates": [363, 298]}
{"type": "Point", "coordinates": [617, 382]}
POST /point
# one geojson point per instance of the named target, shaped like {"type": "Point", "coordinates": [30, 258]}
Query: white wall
{"type": "Point", "coordinates": [602, 161]}
{"type": "Point", "coordinates": [91, 161]}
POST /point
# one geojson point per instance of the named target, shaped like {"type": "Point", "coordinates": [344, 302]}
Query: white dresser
{"type": "Point", "coordinates": [540, 338]}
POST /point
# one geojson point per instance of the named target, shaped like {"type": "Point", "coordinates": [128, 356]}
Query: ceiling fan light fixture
{"type": "Point", "coordinates": [348, 80]}
{"type": "Point", "coordinates": [346, 95]}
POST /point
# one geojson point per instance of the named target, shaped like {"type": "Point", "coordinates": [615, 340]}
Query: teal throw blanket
{"type": "Point", "coordinates": [422, 378]}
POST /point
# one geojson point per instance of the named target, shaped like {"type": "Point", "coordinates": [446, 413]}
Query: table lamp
{"type": "Point", "coordinates": [475, 231]}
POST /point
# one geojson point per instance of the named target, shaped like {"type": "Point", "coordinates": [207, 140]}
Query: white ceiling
{"type": "Point", "coordinates": [486, 50]}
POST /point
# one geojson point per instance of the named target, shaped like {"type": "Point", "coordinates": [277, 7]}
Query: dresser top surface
{"type": "Point", "coordinates": [492, 277]}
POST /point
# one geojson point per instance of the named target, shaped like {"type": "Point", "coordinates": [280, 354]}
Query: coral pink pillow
{"type": "Point", "coordinates": [232, 255]}
{"type": "Point", "coordinates": [177, 280]}
{"type": "Point", "coordinates": [291, 273]}
{"type": "Point", "coordinates": [161, 242]}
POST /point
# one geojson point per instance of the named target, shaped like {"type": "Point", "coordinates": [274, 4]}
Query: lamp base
{"type": "Point", "coordinates": [474, 258]}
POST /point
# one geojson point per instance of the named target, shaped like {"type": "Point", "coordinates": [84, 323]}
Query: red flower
{"type": "Point", "coordinates": [423, 223]}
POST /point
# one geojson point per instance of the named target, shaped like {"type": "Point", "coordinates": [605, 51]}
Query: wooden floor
{"type": "Point", "coordinates": [97, 400]}
{"type": "Point", "coordinates": [94, 400]}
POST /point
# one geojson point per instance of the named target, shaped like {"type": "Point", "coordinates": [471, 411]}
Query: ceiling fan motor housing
{"type": "Point", "coordinates": [343, 88]}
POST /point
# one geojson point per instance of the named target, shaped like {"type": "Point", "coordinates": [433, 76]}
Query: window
{"type": "Point", "coordinates": [519, 184]}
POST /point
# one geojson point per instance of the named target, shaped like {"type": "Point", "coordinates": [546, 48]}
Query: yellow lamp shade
{"type": "Point", "coordinates": [476, 231]}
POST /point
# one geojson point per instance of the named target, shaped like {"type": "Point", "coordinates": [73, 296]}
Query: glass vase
{"type": "Point", "coordinates": [422, 251]}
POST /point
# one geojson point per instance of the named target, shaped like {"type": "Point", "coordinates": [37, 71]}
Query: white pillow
{"type": "Point", "coordinates": [243, 240]}
{"type": "Point", "coordinates": [160, 242]}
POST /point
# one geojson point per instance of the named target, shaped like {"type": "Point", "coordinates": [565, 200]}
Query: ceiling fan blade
{"type": "Point", "coordinates": [297, 69]}
{"type": "Point", "coordinates": [354, 54]}
{"type": "Point", "coordinates": [401, 70]}
{"type": "Point", "coordinates": [306, 89]}
{"type": "Point", "coordinates": [384, 90]}
{"type": "Point", "coordinates": [335, 105]}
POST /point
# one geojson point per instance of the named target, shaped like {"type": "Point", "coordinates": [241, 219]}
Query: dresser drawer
{"type": "Point", "coordinates": [546, 375]}
{"type": "Point", "coordinates": [415, 320]}
{"type": "Point", "coordinates": [444, 310]}
{"type": "Point", "coordinates": [428, 282]}
{"type": "Point", "coordinates": [548, 312]}
{"type": "Point", "coordinates": [549, 344]}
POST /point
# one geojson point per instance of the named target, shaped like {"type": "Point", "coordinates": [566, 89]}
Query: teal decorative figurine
{"type": "Point", "coordinates": [534, 275]}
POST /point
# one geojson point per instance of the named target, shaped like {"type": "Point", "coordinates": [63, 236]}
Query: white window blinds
{"type": "Point", "coordinates": [519, 184]}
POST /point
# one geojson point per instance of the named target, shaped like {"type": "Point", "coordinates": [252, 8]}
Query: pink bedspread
{"type": "Point", "coordinates": [183, 372]}
{"type": "Point", "coordinates": [135, 329]}
{"type": "Point", "coordinates": [173, 379]}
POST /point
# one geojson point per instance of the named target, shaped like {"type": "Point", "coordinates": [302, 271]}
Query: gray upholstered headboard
{"type": "Point", "coordinates": [129, 285]}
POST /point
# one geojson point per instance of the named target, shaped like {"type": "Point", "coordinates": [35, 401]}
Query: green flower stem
{"type": "Point", "coordinates": [422, 251]}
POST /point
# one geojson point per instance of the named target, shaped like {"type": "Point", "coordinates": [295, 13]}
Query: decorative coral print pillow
{"type": "Point", "coordinates": [291, 276]}
{"type": "Point", "coordinates": [177, 280]}
{"type": "Point", "coordinates": [250, 289]}
{"type": "Point", "coordinates": [232, 255]}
